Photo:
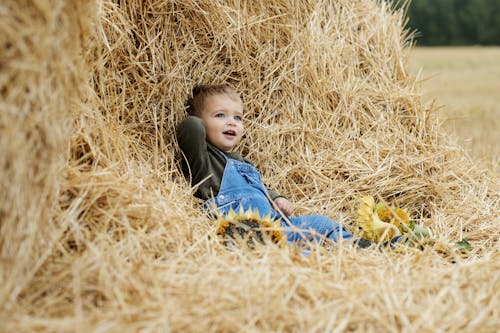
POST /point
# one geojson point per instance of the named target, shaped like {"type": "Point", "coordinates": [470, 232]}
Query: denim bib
{"type": "Point", "coordinates": [242, 187]}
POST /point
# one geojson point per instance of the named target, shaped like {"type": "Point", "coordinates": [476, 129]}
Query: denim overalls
{"type": "Point", "coordinates": [241, 186]}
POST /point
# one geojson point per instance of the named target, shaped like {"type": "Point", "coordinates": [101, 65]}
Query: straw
{"type": "Point", "coordinates": [99, 229]}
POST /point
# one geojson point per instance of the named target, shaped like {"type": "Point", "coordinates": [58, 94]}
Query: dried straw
{"type": "Point", "coordinates": [99, 230]}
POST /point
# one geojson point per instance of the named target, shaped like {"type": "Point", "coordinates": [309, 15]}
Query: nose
{"type": "Point", "coordinates": [231, 121]}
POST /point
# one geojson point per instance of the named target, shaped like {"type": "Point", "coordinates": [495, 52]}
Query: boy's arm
{"type": "Point", "coordinates": [191, 137]}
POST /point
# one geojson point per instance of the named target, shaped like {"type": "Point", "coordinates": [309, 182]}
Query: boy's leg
{"type": "Point", "coordinates": [314, 228]}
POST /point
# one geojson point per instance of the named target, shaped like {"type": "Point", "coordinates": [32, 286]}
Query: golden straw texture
{"type": "Point", "coordinates": [41, 76]}
{"type": "Point", "coordinates": [99, 230]}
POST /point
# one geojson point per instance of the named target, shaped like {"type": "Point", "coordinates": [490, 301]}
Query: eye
{"type": "Point", "coordinates": [219, 115]}
{"type": "Point", "coordinates": [237, 118]}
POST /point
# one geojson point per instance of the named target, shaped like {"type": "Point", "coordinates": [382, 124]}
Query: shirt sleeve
{"type": "Point", "coordinates": [274, 194]}
{"type": "Point", "coordinates": [191, 137]}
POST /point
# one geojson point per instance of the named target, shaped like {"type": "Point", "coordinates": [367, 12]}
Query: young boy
{"type": "Point", "coordinates": [227, 181]}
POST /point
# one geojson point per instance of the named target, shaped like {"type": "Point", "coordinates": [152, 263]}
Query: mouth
{"type": "Point", "coordinates": [229, 133]}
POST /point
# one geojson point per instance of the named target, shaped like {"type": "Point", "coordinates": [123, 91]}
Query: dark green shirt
{"type": "Point", "coordinates": [205, 163]}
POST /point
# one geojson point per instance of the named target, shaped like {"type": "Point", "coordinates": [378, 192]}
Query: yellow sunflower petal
{"type": "Point", "coordinates": [401, 219]}
{"type": "Point", "coordinates": [384, 214]}
{"type": "Point", "coordinates": [249, 225]}
{"type": "Point", "coordinates": [372, 227]}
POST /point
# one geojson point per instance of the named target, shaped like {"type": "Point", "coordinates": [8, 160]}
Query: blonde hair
{"type": "Point", "coordinates": [195, 103]}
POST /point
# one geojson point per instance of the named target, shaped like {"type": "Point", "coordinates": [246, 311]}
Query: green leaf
{"type": "Point", "coordinates": [463, 245]}
{"type": "Point", "coordinates": [420, 231]}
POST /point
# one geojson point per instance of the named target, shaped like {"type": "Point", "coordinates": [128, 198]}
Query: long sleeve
{"type": "Point", "coordinates": [191, 137]}
{"type": "Point", "coordinates": [274, 194]}
{"type": "Point", "coordinates": [205, 163]}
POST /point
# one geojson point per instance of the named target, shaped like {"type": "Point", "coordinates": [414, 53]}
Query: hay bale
{"type": "Point", "coordinates": [332, 113]}
{"type": "Point", "coordinates": [40, 79]}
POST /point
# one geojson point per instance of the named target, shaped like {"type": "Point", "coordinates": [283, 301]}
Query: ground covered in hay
{"type": "Point", "coordinates": [98, 228]}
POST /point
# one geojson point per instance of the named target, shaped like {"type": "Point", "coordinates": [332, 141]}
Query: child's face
{"type": "Point", "coordinates": [222, 116]}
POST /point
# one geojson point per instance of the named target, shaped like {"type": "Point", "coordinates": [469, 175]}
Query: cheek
{"type": "Point", "coordinates": [212, 132]}
{"type": "Point", "coordinates": [216, 126]}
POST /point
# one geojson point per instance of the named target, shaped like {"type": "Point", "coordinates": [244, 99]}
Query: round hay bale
{"type": "Point", "coordinates": [41, 76]}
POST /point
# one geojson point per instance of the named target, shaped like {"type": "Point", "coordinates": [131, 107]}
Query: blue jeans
{"type": "Point", "coordinates": [241, 187]}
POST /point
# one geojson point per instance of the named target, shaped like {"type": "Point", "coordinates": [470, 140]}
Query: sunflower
{"type": "Point", "coordinates": [396, 216]}
{"type": "Point", "coordinates": [249, 226]}
{"type": "Point", "coordinates": [371, 225]}
{"type": "Point", "coordinates": [380, 223]}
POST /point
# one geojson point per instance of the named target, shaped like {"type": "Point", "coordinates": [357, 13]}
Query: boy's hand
{"type": "Point", "coordinates": [284, 205]}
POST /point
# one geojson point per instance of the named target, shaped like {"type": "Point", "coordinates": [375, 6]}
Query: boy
{"type": "Point", "coordinates": [227, 181]}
